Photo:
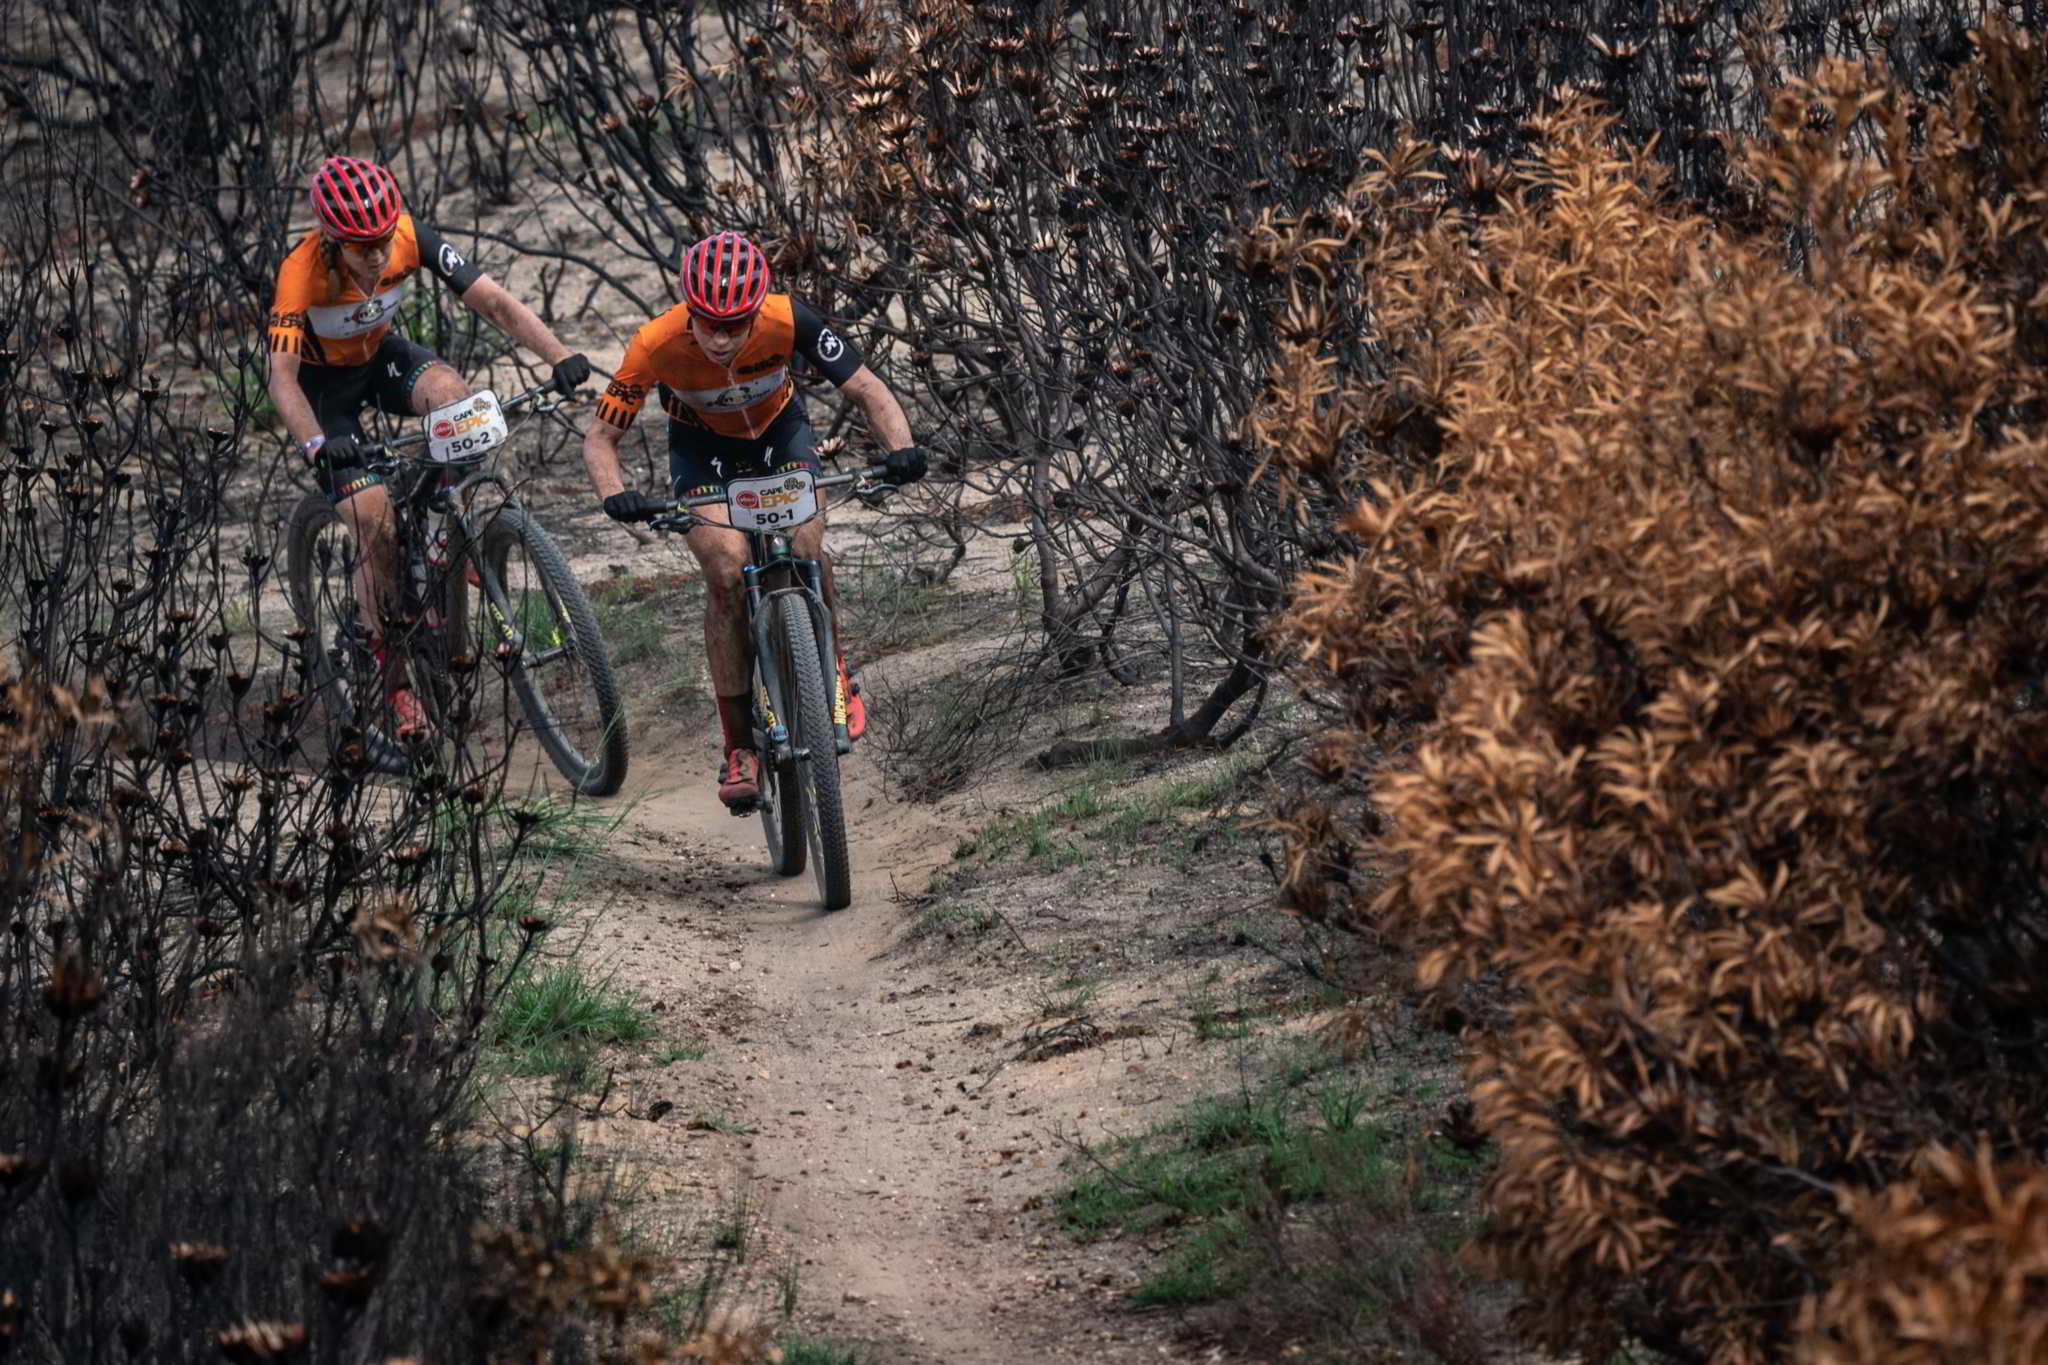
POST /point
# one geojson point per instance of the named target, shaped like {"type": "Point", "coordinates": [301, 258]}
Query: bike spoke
{"type": "Point", "coordinates": [531, 642]}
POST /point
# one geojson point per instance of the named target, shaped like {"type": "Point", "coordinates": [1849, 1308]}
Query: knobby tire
{"type": "Point", "coordinates": [594, 763]}
{"type": "Point", "coordinates": [807, 708]}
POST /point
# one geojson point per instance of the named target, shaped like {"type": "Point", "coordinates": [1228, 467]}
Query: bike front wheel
{"type": "Point", "coordinates": [523, 612]}
{"type": "Point", "coordinates": [807, 711]}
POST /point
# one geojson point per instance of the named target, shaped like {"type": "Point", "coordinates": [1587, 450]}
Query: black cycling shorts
{"type": "Point", "coordinates": [701, 462]}
{"type": "Point", "coordinates": [339, 393]}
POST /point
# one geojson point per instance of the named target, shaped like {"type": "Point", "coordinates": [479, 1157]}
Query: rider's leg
{"type": "Point", "coordinates": [409, 379]}
{"type": "Point", "coordinates": [367, 514]}
{"type": "Point", "coordinates": [338, 394]}
{"type": "Point", "coordinates": [364, 506]}
{"type": "Point", "coordinates": [728, 653]}
{"type": "Point", "coordinates": [437, 386]}
{"type": "Point", "coordinates": [699, 463]}
{"type": "Point", "coordinates": [796, 443]}
{"type": "Point", "coordinates": [729, 657]}
{"type": "Point", "coordinates": [809, 543]}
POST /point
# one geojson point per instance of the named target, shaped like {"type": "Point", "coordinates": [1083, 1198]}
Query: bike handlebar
{"type": "Point", "coordinates": [387, 453]}
{"type": "Point", "coordinates": [677, 516]}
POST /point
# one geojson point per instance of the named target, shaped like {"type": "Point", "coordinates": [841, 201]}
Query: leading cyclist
{"type": "Point", "coordinates": [721, 360]}
{"type": "Point", "coordinates": [332, 350]}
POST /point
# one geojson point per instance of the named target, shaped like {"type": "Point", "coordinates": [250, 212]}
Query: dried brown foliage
{"type": "Point", "coordinates": [1699, 585]}
{"type": "Point", "coordinates": [534, 1279]}
{"type": "Point", "coordinates": [1950, 1268]}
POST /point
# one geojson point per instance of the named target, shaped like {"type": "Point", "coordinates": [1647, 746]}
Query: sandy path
{"type": "Point", "coordinates": [896, 1159]}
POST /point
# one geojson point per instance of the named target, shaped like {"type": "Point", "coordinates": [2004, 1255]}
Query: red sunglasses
{"type": "Point", "coordinates": [722, 326]}
{"type": "Point", "coordinates": [372, 244]}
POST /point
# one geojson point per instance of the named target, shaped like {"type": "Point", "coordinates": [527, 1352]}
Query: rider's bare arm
{"type": "Point", "coordinates": [885, 414]}
{"type": "Point", "coordinates": [601, 458]}
{"type": "Point", "coordinates": [489, 300]}
{"type": "Point", "coordinates": [282, 378]}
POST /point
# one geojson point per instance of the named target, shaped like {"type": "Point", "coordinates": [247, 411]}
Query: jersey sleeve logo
{"type": "Point", "coordinates": [830, 347]}
{"type": "Point", "coordinates": [451, 259]}
{"type": "Point", "coordinates": [621, 401]}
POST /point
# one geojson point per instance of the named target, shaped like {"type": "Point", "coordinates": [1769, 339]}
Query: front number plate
{"type": "Point", "coordinates": [775, 503]}
{"type": "Point", "coordinates": [463, 431]}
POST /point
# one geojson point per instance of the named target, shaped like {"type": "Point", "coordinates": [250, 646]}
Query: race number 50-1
{"type": "Point", "coordinates": [775, 503]}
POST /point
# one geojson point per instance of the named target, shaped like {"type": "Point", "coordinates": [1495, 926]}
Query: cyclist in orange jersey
{"type": "Point", "coordinates": [721, 360]}
{"type": "Point", "coordinates": [332, 350]}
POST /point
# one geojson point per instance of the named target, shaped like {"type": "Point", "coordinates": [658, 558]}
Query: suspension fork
{"type": "Point", "coordinates": [771, 551]}
{"type": "Point", "coordinates": [768, 660]}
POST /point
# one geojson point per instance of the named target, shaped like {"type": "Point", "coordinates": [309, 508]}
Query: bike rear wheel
{"type": "Point", "coordinates": [807, 710]}
{"type": "Point", "coordinates": [320, 576]}
{"type": "Point", "coordinates": [540, 631]}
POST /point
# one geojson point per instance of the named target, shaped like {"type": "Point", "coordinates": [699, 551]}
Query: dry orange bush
{"type": "Point", "coordinates": [1699, 593]}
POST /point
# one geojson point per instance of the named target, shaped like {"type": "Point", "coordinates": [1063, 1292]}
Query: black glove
{"type": "Point", "coordinates": [903, 466]}
{"type": "Point", "coordinates": [336, 452]}
{"type": "Point", "coordinates": [633, 505]}
{"type": "Point", "coordinates": [570, 372]}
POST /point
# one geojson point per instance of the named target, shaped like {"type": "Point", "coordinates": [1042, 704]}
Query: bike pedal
{"type": "Point", "coordinates": [744, 808]}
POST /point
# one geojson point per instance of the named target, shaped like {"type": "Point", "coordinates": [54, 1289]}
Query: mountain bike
{"type": "Point", "coordinates": [799, 720]}
{"type": "Point", "coordinates": [486, 607]}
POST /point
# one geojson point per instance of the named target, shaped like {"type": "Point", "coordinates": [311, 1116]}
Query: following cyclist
{"type": "Point", "coordinates": [721, 360]}
{"type": "Point", "coordinates": [333, 349]}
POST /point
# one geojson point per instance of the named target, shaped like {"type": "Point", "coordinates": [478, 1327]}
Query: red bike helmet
{"type": "Point", "coordinates": [725, 278]}
{"type": "Point", "coordinates": [355, 200]}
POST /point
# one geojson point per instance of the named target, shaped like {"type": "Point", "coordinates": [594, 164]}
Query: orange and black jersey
{"type": "Point", "coordinates": [321, 316]}
{"type": "Point", "coordinates": [741, 398]}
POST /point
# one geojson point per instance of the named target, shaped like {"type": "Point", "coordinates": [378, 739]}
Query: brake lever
{"type": "Point", "coordinates": [872, 492]}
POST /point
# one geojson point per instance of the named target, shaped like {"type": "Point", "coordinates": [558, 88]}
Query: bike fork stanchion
{"type": "Point", "coordinates": [767, 657]}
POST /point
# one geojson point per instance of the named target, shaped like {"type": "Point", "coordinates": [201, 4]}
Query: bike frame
{"type": "Point", "coordinates": [448, 498]}
{"type": "Point", "coordinates": [770, 553]}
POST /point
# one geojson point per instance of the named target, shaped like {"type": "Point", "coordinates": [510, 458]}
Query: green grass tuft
{"type": "Point", "coordinates": [1204, 1177]}
{"type": "Point", "coordinates": [803, 1350]}
{"type": "Point", "coordinates": [646, 622]}
{"type": "Point", "coordinates": [555, 1016]}
{"type": "Point", "coordinates": [951, 920]}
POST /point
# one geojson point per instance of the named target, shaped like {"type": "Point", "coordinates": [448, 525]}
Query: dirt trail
{"type": "Point", "coordinates": [896, 1159]}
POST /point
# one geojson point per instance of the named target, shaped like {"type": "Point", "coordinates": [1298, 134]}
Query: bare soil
{"type": "Point", "coordinates": [891, 1095]}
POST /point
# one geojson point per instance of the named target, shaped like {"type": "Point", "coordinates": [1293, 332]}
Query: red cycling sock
{"type": "Point", "coordinates": [736, 718]}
